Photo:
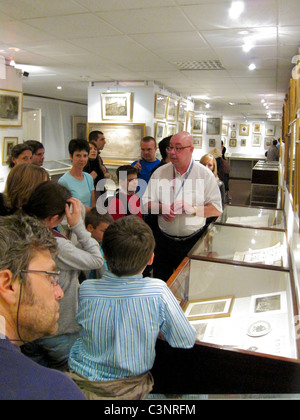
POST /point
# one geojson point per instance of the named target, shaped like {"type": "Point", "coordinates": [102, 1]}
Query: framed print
{"type": "Point", "coordinates": [123, 141]}
{"type": "Point", "coordinates": [190, 121]}
{"type": "Point", "coordinates": [8, 144]}
{"type": "Point", "coordinates": [161, 106]}
{"type": "Point", "coordinates": [269, 303]}
{"type": "Point", "coordinates": [79, 128]}
{"type": "Point", "coordinates": [181, 127]}
{"type": "Point", "coordinates": [198, 124]}
{"type": "Point", "coordinates": [212, 142]}
{"type": "Point", "coordinates": [171, 130]}
{"type": "Point", "coordinates": [233, 134]}
{"type": "Point", "coordinates": [11, 108]}
{"type": "Point", "coordinates": [270, 130]}
{"type": "Point", "coordinates": [256, 128]}
{"type": "Point", "coordinates": [209, 308]}
{"type": "Point", "coordinates": [172, 110]}
{"type": "Point", "coordinates": [244, 129]}
{"type": "Point", "coordinates": [234, 126]}
{"type": "Point", "coordinates": [197, 141]}
{"type": "Point", "coordinates": [117, 106]}
{"type": "Point", "coordinates": [225, 128]}
{"type": "Point", "coordinates": [213, 126]}
{"type": "Point", "coordinates": [233, 143]}
{"type": "Point", "coordinates": [268, 142]}
{"type": "Point", "coordinates": [243, 143]}
{"type": "Point", "coordinates": [160, 129]}
{"type": "Point", "coordinates": [181, 114]}
{"type": "Point", "coordinates": [256, 140]}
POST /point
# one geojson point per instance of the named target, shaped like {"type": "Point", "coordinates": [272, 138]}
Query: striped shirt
{"type": "Point", "coordinates": [121, 318]}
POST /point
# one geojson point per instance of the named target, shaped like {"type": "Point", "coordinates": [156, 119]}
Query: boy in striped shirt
{"type": "Point", "coordinates": [122, 315]}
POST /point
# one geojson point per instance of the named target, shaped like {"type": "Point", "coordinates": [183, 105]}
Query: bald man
{"type": "Point", "coordinates": [183, 193]}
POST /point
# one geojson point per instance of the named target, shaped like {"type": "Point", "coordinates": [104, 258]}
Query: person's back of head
{"type": "Point", "coordinates": [163, 144]}
{"type": "Point", "coordinates": [128, 245]}
{"type": "Point", "coordinates": [47, 200]}
{"type": "Point", "coordinates": [94, 218]}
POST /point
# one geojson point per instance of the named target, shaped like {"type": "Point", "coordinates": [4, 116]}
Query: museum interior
{"type": "Point", "coordinates": [224, 71]}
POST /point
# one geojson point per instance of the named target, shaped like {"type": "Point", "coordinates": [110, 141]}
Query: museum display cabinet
{"type": "Point", "coordinates": [241, 165]}
{"type": "Point", "coordinates": [255, 217]}
{"type": "Point", "coordinates": [264, 184]}
{"type": "Point", "coordinates": [243, 246]}
{"type": "Point", "coordinates": [247, 338]}
{"type": "Point", "coordinates": [57, 168]}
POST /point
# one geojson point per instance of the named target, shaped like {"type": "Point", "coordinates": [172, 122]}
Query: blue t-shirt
{"type": "Point", "coordinates": [23, 379]}
{"type": "Point", "coordinates": [147, 167]}
{"type": "Point", "coordinates": [79, 189]}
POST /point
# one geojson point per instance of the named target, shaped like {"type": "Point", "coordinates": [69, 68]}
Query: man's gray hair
{"type": "Point", "coordinates": [20, 238]}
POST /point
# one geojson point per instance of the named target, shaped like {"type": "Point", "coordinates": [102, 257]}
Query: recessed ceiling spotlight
{"type": "Point", "coordinates": [252, 67]}
{"type": "Point", "coordinates": [12, 63]}
{"type": "Point", "coordinates": [263, 101]}
{"type": "Point", "coordinates": [237, 8]}
{"type": "Point", "coordinates": [207, 106]}
{"type": "Point", "coordinates": [248, 46]}
{"type": "Point", "coordinates": [59, 88]}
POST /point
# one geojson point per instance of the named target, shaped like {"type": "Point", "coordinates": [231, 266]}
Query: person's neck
{"type": "Point", "coordinates": [9, 330]}
{"type": "Point", "coordinates": [150, 161]}
{"type": "Point", "coordinates": [182, 169]}
{"type": "Point", "coordinates": [76, 173]}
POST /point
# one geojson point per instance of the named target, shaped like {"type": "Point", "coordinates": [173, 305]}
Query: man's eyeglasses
{"type": "Point", "coordinates": [177, 149]}
{"type": "Point", "coordinates": [52, 276]}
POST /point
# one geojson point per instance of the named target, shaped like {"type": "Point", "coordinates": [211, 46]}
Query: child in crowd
{"type": "Point", "coordinates": [50, 202]}
{"type": "Point", "coordinates": [122, 315]}
{"type": "Point", "coordinates": [125, 202]}
{"type": "Point", "coordinates": [97, 224]}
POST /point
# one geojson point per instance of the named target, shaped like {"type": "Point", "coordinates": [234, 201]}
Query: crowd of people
{"type": "Point", "coordinates": [83, 294]}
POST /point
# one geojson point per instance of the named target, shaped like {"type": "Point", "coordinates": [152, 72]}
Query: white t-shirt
{"type": "Point", "coordinates": [198, 186]}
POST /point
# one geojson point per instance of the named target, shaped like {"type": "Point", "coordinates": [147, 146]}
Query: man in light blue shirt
{"type": "Point", "coordinates": [122, 315]}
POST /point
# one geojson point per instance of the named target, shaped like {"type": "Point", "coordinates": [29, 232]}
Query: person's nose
{"type": "Point", "coordinates": [58, 292]}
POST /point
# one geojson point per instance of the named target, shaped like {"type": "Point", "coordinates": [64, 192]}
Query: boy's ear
{"type": "Point", "coordinates": [89, 228]}
{"type": "Point", "coordinates": [151, 259]}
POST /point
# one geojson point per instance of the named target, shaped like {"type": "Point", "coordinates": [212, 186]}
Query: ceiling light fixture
{"type": "Point", "coordinates": [12, 63]}
{"type": "Point", "coordinates": [237, 8]}
{"type": "Point", "coordinates": [59, 88]}
{"type": "Point", "coordinates": [252, 67]}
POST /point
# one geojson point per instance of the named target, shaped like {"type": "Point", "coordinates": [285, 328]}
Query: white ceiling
{"type": "Point", "coordinates": [73, 42]}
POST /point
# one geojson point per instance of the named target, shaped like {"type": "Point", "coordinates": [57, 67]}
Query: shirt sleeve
{"type": "Point", "coordinates": [175, 327]}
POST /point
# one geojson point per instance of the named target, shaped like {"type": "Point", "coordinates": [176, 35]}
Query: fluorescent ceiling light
{"type": "Point", "coordinates": [237, 8]}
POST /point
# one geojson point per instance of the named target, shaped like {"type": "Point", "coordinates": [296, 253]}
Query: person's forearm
{"type": "Point", "coordinates": [209, 210]}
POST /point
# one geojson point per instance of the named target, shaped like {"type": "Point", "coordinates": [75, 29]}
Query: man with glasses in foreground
{"type": "Point", "coordinates": [183, 193]}
{"type": "Point", "coordinates": [29, 309]}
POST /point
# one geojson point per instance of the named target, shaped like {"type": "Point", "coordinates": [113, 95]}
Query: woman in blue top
{"type": "Point", "coordinates": [81, 184]}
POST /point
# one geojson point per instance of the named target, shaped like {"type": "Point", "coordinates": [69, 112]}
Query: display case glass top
{"type": "Point", "coordinates": [254, 217]}
{"type": "Point", "coordinates": [55, 165]}
{"type": "Point", "coordinates": [243, 246]}
{"type": "Point", "coordinates": [237, 307]}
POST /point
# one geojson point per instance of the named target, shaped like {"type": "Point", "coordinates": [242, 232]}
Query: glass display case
{"type": "Point", "coordinates": [247, 325]}
{"type": "Point", "coordinates": [255, 217]}
{"type": "Point", "coordinates": [243, 246]}
{"type": "Point", "coordinates": [57, 167]}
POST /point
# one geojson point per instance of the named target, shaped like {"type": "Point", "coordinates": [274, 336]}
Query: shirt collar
{"type": "Point", "coordinates": [112, 277]}
{"type": "Point", "coordinates": [188, 169]}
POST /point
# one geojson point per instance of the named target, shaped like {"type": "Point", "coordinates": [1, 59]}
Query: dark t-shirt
{"type": "Point", "coordinates": [23, 379]}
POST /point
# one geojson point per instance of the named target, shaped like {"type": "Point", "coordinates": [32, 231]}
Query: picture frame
{"type": "Point", "coordinates": [171, 130]}
{"type": "Point", "coordinates": [212, 142]}
{"type": "Point", "coordinates": [270, 130]}
{"type": "Point", "coordinates": [234, 126]}
{"type": "Point", "coordinates": [225, 128]}
{"type": "Point", "coordinates": [268, 303]}
{"type": "Point", "coordinates": [181, 113]}
{"type": "Point", "coordinates": [244, 129]}
{"type": "Point", "coordinates": [8, 144]}
{"type": "Point", "coordinates": [268, 142]}
{"type": "Point", "coordinates": [190, 121]}
{"type": "Point", "coordinates": [209, 308]}
{"type": "Point", "coordinates": [172, 110]}
{"type": "Point", "coordinates": [243, 142]}
{"type": "Point", "coordinates": [11, 108]}
{"type": "Point", "coordinates": [233, 143]}
{"type": "Point", "coordinates": [197, 141]}
{"type": "Point", "coordinates": [129, 149]}
{"type": "Point", "coordinates": [198, 124]}
{"type": "Point", "coordinates": [256, 128]}
{"type": "Point", "coordinates": [161, 106]}
{"type": "Point", "coordinates": [160, 130]}
{"type": "Point", "coordinates": [117, 106]}
{"type": "Point", "coordinates": [213, 126]}
{"type": "Point", "coordinates": [79, 127]}
{"type": "Point", "coordinates": [256, 140]}
{"type": "Point", "coordinates": [233, 134]}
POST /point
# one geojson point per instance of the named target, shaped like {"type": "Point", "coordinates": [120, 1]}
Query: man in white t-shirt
{"type": "Point", "coordinates": [183, 193]}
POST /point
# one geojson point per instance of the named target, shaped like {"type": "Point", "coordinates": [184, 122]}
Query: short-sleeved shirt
{"type": "Point", "coordinates": [79, 189]}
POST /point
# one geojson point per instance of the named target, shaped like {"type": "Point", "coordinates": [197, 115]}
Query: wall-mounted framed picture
{"type": "Point", "coordinates": [197, 141]}
{"type": "Point", "coordinates": [270, 130]}
{"type": "Point", "coordinates": [171, 130]}
{"type": "Point", "coordinates": [79, 127]}
{"type": "Point", "coordinates": [123, 140]}
{"type": "Point", "coordinates": [172, 110]}
{"type": "Point", "coordinates": [256, 128]}
{"type": "Point", "coordinates": [212, 142]}
{"type": "Point", "coordinates": [225, 128]}
{"type": "Point", "coordinates": [160, 130]}
{"type": "Point", "coordinates": [117, 106]}
{"type": "Point", "coordinates": [198, 124]}
{"type": "Point", "coordinates": [161, 106]}
{"type": "Point", "coordinates": [256, 140]}
{"type": "Point", "coordinates": [8, 144]}
{"type": "Point", "coordinates": [233, 134]}
{"type": "Point", "coordinates": [268, 142]}
{"type": "Point", "coordinates": [234, 126]}
{"type": "Point", "coordinates": [190, 121]}
{"type": "Point", "coordinates": [213, 126]}
{"type": "Point", "coordinates": [181, 111]}
{"type": "Point", "coordinates": [244, 129]}
{"type": "Point", "coordinates": [11, 108]}
{"type": "Point", "coordinates": [232, 143]}
{"type": "Point", "coordinates": [243, 142]}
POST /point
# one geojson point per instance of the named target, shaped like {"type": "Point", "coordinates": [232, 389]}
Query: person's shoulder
{"type": "Point", "coordinates": [163, 171]}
